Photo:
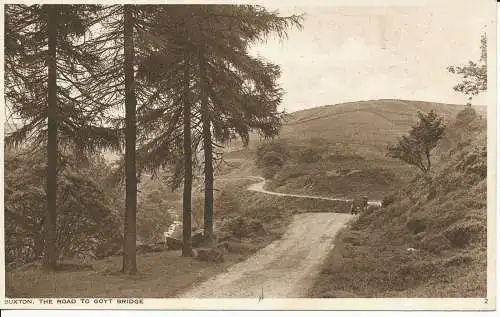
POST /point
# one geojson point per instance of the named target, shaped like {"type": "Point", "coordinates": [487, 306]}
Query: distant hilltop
{"type": "Point", "coordinates": [364, 127]}
{"type": "Point", "coordinates": [368, 123]}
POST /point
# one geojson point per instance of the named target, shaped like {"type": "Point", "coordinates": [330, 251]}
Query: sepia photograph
{"type": "Point", "coordinates": [324, 155]}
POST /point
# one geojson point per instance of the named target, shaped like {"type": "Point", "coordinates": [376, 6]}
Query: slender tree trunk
{"type": "Point", "coordinates": [188, 168]}
{"type": "Point", "coordinates": [207, 149]}
{"type": "Point", "coordinates": [50, 258]}
{"type": "Point", "coordinates": [129, 247]}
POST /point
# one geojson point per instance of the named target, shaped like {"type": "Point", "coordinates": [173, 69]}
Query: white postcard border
{"type": "Point", "coordinates": [424, 304]}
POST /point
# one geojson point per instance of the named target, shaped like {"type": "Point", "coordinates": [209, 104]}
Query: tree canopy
{"type": "Point", "coordinates": [416, 147]}
{"type": "Point", "coordinates": [474, 74]}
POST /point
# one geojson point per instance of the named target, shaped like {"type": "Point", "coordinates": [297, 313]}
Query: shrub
{"type": "Point", "coordinates": [475, 162]}
{"type": "Point", "coordinates": [434, 243]}
{"type": "Point", "coordinates": [415, 148]}
{"type": "Point", "coordinates": [309, 156]}
{"type": "Point", "coordinates": [271, 157]}
{"type": "Point", "coordinates": [466, 116]}
{"type": "Point", "coordinates": [240, 227]}
{"type": "Point", "coordinates": [460, 234]}
{"type": "Point", "coordinates": [87, 219]}
{"type": "Point", "coordinates": [416, 225]}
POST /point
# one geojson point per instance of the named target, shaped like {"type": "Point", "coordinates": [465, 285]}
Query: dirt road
{"type": "Point", "coordinates": [284, 269]}
{"type": "Point", "coordinates": [259, 187]}
{"type": "Point", "coordinates": [287, 267]}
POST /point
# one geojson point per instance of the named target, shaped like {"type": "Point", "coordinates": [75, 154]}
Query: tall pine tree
{"type": "Point", "coordinates": [125, 39]}
{"type": "Point", "coordinates": [224, 35]}
{"type": "Point", "coordinates": [234, 92]}
{"type": "Point", "coordinates": [129, 250]}
{"type": "Point", "coordinates": [45, 62]}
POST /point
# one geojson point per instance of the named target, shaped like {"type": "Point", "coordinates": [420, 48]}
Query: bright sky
{"type": "Point", "coordinates": [359, 53]}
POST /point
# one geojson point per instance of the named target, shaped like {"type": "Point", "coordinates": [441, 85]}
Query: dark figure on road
{"type": "Point", "coordinates": [359, 205]}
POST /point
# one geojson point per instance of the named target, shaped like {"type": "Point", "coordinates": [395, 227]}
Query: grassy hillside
{"type": "Point", "coordinates": [364, 127]}
{"type": "Point", "coordinates": [339, 150]}
{"type": "Point", "coordinates": [443, 219]}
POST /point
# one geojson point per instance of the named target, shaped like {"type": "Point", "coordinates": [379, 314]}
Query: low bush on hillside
{"type": "Point", "coordinates": [466, 116]}
{"type": "Point", "coordinates": [309, 155]}
{"type": "Point", "coordinates": [270, 157]}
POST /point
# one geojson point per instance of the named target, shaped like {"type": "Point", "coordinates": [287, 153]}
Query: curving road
{"type": "Point", "coordinates": [259, 187]}
{"type": "Point", "coordinates": [285, 268]}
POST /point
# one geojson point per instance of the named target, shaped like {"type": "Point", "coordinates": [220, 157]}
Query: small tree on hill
{"type": "Point", "coordinates": [415, 148]}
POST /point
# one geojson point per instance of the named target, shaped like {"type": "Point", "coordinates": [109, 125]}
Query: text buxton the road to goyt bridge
{"type": "Point", "coordinates": [148, 153]}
